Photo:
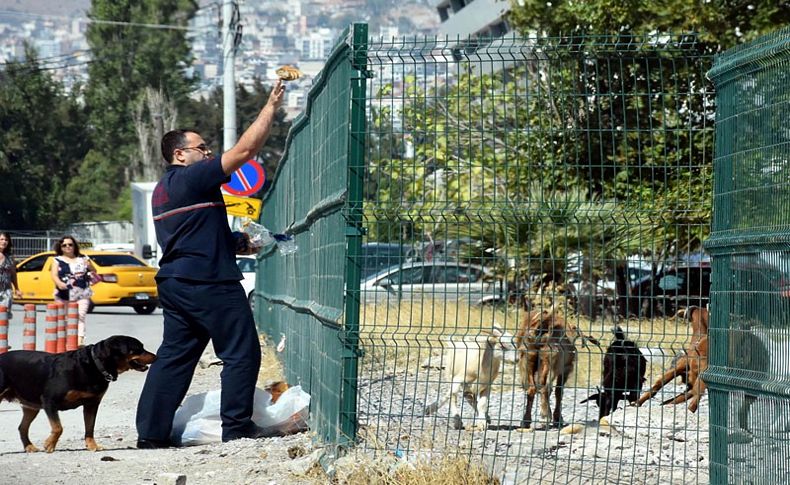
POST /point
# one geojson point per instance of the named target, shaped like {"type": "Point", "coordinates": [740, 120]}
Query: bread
{"type": "Point", "coordinates": [288, 73]}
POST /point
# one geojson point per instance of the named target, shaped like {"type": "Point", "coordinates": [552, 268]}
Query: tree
{"type": "Point", "coordinates": [677, 155]}
{"type": "Point", "coordinates": [43, 138]}
{"type": "Point", "coordinates": [154, 115]}
{"type": "Point", "coordinates": [722, 23]}
{"type": "Point", "coordinates": [127, 60]}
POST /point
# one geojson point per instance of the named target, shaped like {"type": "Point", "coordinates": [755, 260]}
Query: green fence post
{"type": "Point", "coordinates": [748, 368]}
{"type": "Point", "coordinates": [356, 173]}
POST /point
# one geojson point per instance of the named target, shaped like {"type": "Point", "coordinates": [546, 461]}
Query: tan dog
{"type": "Point", "coordinates": [546, 358]}
{"type": "Point", "coordinates": [689, 366]}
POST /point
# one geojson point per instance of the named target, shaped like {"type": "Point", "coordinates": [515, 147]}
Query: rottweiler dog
{"type": "Point", "coordinates": [56, 382]}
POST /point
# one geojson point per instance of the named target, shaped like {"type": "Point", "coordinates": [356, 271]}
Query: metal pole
{"type": "Point", "coordinates": [229, 74]}
{"type": "Point", "coordinates": [354, 231]}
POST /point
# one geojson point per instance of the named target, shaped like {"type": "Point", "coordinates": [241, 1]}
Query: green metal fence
{"type": "Point", "coordinates": [749, 373]}
{"type": "Point", "coordinates": [301, 296]}
{"type": "Point", "coordinates": [439, 188]}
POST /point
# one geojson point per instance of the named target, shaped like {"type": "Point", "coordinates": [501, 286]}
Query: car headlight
{"type": "Point", "coordinates": [109, 278]}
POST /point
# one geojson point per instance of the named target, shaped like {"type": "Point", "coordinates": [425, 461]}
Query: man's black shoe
{"type": "Point", "coordinates": [153, 444]}
{"type": "Point", "coordinates": [255, 434]}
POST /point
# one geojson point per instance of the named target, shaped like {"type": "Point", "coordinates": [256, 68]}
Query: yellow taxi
{"type": "Point", "coordinates": [125, 280]}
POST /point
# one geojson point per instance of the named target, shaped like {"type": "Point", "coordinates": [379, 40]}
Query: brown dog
{"type": "Point", "coordinates": [689, 366]}
{"type": "Point", "coordinates": [546, 358]}
{"type": "Point", "coordinates": [56, 382]}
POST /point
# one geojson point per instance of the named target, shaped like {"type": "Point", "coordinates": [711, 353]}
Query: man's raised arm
{"type": "Point", "coordinates": [255, 136]}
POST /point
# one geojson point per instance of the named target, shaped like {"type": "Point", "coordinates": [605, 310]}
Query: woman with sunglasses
{"type": "Point", "coordinates": [9, 288]}
{"type": "Point", "coordinates": [71, 274]}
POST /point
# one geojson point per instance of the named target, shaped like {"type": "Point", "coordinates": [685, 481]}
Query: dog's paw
{"type": "Point", "coordinates": [31, 448]}
{"type": "Point", "coordinates": [91, 445]}
{"type": "Point", "coordinates": [478, 424]}
{"type": "Point", "coordinates": [572, 429]}
{"type": "Point", "coordinates": [49, 447]}
{"type": "Point", "coordinates": [457, 422]}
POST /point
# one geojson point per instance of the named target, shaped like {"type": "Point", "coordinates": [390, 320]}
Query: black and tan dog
{"type": "Point", "coordinates": [56, 382]}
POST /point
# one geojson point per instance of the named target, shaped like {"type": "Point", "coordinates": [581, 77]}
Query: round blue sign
{"type": "Point", "coordinates": [247, 180]}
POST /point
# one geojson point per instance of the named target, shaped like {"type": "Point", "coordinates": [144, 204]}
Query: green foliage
{"type": "Point", "coordinates": [88, 195]}
{"type": "Point", "coordinates": [126, 60]}
{"type": "Point", "coordinates": [722, 23]}
{"type": "Point", "coordinates": [663, 162]}
{"type": "Point", "coordinates": [43, 138]}
{"type": "Point", "coordinates": [549, 159]}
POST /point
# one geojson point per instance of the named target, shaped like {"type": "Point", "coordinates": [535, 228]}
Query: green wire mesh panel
{"type": "Point", "coordinates": [301, 296]}
{"type": "Point", "coordinates": [749, 373]}
{"type": "Point", "coordinates": [566, 175]}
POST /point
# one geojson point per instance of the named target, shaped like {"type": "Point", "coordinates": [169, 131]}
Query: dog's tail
{"type": "Point", "coordinates": [592, 397]}
{"type": "Point", "coordinates": [2, 384]}
{"type": "Point", "coordinates": [685, 313]}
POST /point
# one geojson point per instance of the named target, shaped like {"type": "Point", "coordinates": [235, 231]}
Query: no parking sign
{"type": "Point", "coordinates": [247, 180]}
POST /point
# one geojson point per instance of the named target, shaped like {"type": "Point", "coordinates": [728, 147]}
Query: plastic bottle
{"type": "Point", "coordinates": [259, 235]}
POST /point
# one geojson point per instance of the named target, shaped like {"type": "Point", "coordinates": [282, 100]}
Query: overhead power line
{"type": "Point", "coordinates": [52, 59]}
{"type": "Point", "coordinates": [107, 22]}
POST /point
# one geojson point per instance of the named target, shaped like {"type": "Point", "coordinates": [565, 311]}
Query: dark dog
{"type": "Point", "coordinates": [624, 369]}
{"type": "Point", "coordinates": [56, 382]}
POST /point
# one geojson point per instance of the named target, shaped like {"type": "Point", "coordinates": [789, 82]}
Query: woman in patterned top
{"type": "Point", "coordinates": [72, 277]}
{"type": "Point", "coordinates": [9, 288]}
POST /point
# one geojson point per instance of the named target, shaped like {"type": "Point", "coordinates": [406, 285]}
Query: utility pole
{"type": "Point", "coordinates": [229, 22]}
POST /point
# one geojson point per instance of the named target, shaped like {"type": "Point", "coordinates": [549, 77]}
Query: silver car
{"type": "Point", "coordinates": [440, 280]}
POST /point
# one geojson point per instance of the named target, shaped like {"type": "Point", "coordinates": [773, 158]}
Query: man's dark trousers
{"type": "Point", "coordinates": [195, 312]}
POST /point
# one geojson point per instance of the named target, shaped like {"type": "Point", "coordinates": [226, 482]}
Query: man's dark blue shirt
{"type": "Point", "coordinates": [192, 225]}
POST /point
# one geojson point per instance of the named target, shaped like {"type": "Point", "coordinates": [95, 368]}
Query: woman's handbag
{"type": "Point", "coordinates": [95, 278]}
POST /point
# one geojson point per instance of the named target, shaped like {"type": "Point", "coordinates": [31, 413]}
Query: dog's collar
{"type": "Point", "coordinates": [109, 377]}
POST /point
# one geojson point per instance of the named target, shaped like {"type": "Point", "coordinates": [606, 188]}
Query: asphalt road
{"type": "Point", "coordinates": [120, 402]}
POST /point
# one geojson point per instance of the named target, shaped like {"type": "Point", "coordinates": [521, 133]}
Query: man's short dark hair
{"type": "Point", "coordinates": [173, 140]}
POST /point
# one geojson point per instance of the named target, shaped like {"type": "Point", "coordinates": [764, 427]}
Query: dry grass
{"type": "Point", "coordinates": [402, 336]}
{"type": "Point", "coordinates": [271, 367]}
{"type": "Point", "coordinates": [391, 471]}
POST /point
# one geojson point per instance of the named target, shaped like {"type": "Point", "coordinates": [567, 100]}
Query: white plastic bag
{"type": "Point", "coordinates": [198, 422]}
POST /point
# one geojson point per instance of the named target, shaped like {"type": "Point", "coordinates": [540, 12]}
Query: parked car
{"type": "Point", "coordinates": [445, 280]}
{"type": "Point", "coordinates": [762, 281]}
{"type": "Point", "coordinates": [377, 256]}
{"type": "Point", "coordinates": [125, 281]}
{"type": "Point", "coordinates": [675, 286]}
{"type": "Point", "coordinates": [247, 265]}
{"type": "Point", "coordinates": [594, 294]}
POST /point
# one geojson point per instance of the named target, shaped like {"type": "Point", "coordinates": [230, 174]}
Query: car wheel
{"type": "Point", "coordinates": [145, 309]}
{"type": "Point", "coordinates": [251, 299]}
{"type": "Point", "coordinates": [91, 306]}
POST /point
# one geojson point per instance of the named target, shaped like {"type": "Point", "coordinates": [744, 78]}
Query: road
{"type": "Point", "coordinates": [122, 394]}
{"type": "Point", "coordinates": [271, 461]}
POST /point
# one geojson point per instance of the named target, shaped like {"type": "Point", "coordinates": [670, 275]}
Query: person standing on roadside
{"type": "Point", "coordinates": [9, 288]}
{"type": "Point", "coordinates": [71, 273]}
{"type": "Point", "coordinates": [199, 283]}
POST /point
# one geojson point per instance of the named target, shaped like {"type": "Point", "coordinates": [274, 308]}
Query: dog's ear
{"type": "Point", "coordinates": [105, 352]}
{"type": "Point", "coordinates": [102, 350]}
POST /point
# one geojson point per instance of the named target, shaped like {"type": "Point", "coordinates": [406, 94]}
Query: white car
{"type": "Point", "coordinates": [445, 280]}
{"type": "Point", "coordinates": [247, 265]}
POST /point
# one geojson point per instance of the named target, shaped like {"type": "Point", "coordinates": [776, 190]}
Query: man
{"type": "Point", "coordinates": [198, 284]}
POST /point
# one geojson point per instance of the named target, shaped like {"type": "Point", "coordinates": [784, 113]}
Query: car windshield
{"type": "Point", "coordinates": [376, 257]}
{"type": "Point", "coordinates": [116, 260]}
